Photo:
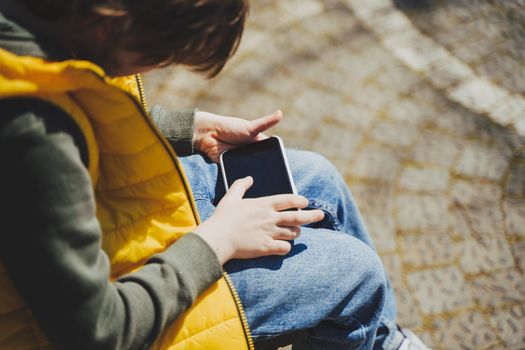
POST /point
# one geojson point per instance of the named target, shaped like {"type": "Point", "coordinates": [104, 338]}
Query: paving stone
{"type": "Point", "coordinates": [487, 24]}
{"type": "Point", "coordinates": [445, 75]}
{"type": "Point", "coordinates": [421, 212]}
{"type": "Point", "coordinates": [336, 142]}
{"type": "Point", "coordinates": [518, 249]}
{"type": "Point", "coordinates": [485, 256]}
{"type": "Point", "coordinates": [222, 89]}
{"type": "Point", "coordinates": [505, 70]}
{"type": "Point", "coordinates": [409, 111]}
{"type": "Point", "coordinates": [339, 24]}
{"type": "Point", "coordinates": [378, 163]}
{"type": "Point", "coordinates": [479, 204]}
{"type": "Point", "coordinates": [373, 96]}
{"type": "Point", "coordinates": [436, 148]}
{"type": "Point", "coordinates": [459, 224]}
{"type": "Point", "coordinates": [516, 180]}
{"type": "Point", "coordinates": [315, 104]}
{"type": "Point", "coordinates": [472, 193]}
{"type": "Point", "coordinates": [425, 250]}
{"type": "Point", "coordinates": [289, 12]}
{"type": "Point", "coordinates": [507, 111]}
{"type": "Point", "coordinates": [424, 179]}
{"type": "Point", "coordinates": [218, 106]}
{"type": "Point", "coordinates": [510, 326]}
{"type": "Point", "coordinates": [470, 52]}
{"type": "Point", "coordinates": [295, 124]}
{"type": "Point", "coordinates": [482, 161]}
{"type": "Point", "coordinates": [456, 121]}
{"type": "Point", "coordinates": [428, 97]}
{"type": "Point", "coordinates": [392, 21]}
{"type": "Point", "coordinates": [427, 339]}
{"type": "Point", "coordinates": [172, 89]}
{"type": "Point", "coordinates": [257, 106]}
{"type": "Point", "coordinates": [302, 142]}
{"type": "Point", "coordinates": [418, 57]}
{"type": "Point", "coordinates": [515, 216]}
{"type": "Point", "coordinates": [333, 79]}
{"type": "Point", "coordinates": [439, 290]}
{"type": "Point", "coordinates": [358, 69]}
{"type": "Point", "coordinates": [251, 68]}
{"type": "Point", "coordinates": [519, 125]}
{"type": "Point", "coordinates": [353, 117]}
{"type": "Point", "coordinates": [382, 229]}
{"type": "Point", "coordinates": [282, 85]}
{"type": "Point", "coordinates": [506, 287]}
{"type": "Point", "coordinates": [484, 220]}
{"type": "Point", "coordinates": [393, 267]}
{"type": "Point", "coordinates": [342, 165]}
{"type": "Point", "coordinates": [394, 134]}
{"type": "Point", "coordinates": [408, 311]}
{"type": "Point", "coordinates": [373, 198]}
{"type": "Point", "coordinates": [296, 10]}
{"type": "Point", "coordinates": [469, 330]}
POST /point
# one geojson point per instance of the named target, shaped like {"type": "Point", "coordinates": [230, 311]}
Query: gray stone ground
{"type": "Point", "coordinates": [441, 188]}
{"type": "Point", "coordinates": [488, 35]}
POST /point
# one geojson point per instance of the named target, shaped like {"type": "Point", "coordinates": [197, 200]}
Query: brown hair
{"type": "Point", "coordinates": [202, 34]}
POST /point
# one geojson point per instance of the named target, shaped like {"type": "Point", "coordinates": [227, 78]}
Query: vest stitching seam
{"type": "Point", "coordinates": [125, 117]}
{"type": "Point", "coordinates": [108, 154]}
{"type": "Point", "coordinates": [138, 220]}
{"type": "Point", "coordinates": [207, 329]}
{"type": "Point", "coordinates": [108, 190]}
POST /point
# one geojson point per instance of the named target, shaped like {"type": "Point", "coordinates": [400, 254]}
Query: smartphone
{"type": "Point", "coordinates": [265, 161]}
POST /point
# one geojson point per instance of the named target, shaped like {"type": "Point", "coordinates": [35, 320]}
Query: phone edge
{"type": "Point", "coordinates": [286, 164]}
{"type": "Point", "coordinates": [221, 163]}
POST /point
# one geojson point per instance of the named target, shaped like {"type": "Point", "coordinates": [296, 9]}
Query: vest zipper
{"type": "Point", "coordinates": [142, 94]}
{"type": "Point", "coordinates": [240, 309]}
{"type": "Point", "coordinates": [235, 295]}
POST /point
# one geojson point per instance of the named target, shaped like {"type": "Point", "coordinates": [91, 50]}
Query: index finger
{"type": "Point", "coordinates": [286, 201]}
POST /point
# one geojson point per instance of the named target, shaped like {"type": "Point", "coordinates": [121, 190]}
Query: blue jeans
{"type": "Point", "coordinates": [332, 283]}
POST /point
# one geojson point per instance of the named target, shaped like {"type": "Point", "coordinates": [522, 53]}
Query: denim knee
{"type": "Point", "coordinates": [368, 298]}
{"type": "Point", "coordinates": [313, 165]}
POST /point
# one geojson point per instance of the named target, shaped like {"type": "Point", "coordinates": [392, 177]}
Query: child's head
{"type": "Point", "coordinates": [129, 36]}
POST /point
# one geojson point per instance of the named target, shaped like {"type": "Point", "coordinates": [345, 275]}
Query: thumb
{"type": "Point", "coordinates": [261, 124]}
{"type": "Point", "coordinates": [239, 188]}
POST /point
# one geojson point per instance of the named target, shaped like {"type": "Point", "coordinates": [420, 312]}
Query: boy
{"type": "Point", "coordinates": [102, 239]}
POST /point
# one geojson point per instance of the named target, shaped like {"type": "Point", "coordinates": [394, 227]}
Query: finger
{"type": "Point", "coordinates": [287, 233]}
{"type": "Point", "coordinates": [298, 218]}
{"type": "Point", "coordinates": [239, 188]}
{"type": "Point", "coordinates": [286, 201]}
{"type": "Point", "coordinates": [261, 137]}
{"type": "Point", "coordinates": [278, 247]}
{"type": "Point", "coordinates": [261, 124]}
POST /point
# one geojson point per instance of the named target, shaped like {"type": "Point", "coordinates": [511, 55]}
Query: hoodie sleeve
{"type": "Point", "coordinates": [50, 245]}
{"type": "Point", "coordinates": [177, 126]}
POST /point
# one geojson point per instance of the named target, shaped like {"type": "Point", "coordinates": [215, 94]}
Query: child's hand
{"type": "Point", "coordinates": [249, 228]}
{"type": "Point", "coordinates": [215, 134]}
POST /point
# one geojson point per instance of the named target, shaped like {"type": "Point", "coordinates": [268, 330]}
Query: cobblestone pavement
{"type": "Point", "coordinates": [441, 188]}
{"type": "Point", "coordinates": [491, 38]}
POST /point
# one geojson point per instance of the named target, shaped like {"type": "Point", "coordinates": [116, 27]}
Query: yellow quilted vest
{"type": "Point", "coordinates": [144, 202]}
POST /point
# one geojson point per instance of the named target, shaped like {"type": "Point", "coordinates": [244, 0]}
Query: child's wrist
{"type": "Point", "coordinates": [219, 246]}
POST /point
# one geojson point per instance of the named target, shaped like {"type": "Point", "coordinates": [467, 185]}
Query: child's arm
{"type": "Point", "coordinates": [50, 244]}
{"type": "Point", "coordinates": [191, 130]}
{"type": "Point", "coordinates": [177, 126]}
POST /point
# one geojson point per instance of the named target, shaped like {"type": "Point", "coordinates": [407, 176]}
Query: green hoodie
{"type": "Point", "coordinates": [43, 157]}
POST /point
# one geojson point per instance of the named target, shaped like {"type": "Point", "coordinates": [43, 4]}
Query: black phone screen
{"type": "Point", "coordinates": [264, 161]}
